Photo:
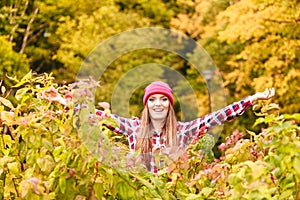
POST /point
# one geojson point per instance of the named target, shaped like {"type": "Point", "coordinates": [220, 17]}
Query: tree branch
{"type": "Point", "coordinates": [27, 32]}
{"type": "Point", "coordinates": [296, 187]}
{"type": "Point", "coordinates": [283, 21]}
{"type": "Point", "coordinates": [14, 6]}
{"type": "Point", "coordinates": [37, 34]}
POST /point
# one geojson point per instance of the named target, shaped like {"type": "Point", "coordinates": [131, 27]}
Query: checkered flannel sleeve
{"type": "Point", "coordinates": [198, 127]}
{"type": "Point", "coordinates": [125, 126]}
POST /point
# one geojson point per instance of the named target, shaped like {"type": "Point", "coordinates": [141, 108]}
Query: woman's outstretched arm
{"type": "Point", "coordinates": [199, 126]}
{"type": "Point", "coordinates": [125, 125]}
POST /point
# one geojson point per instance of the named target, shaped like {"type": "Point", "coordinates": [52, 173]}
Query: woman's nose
{"type": "Point", "coordinates": [157, 102]}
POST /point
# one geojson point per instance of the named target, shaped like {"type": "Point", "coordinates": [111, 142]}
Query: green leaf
{"type": "Point", "coordinates": [46, 164]}
{"type": "Point", "coordinates": [258, 121]}
{"type": "Point", "coordinates": [194, 197]}
{"type": "Point", "coordinates": [6, 102]}
{"type": "Point", "coordinates": [296, 165]}
{"type": "Point", "coordinates": [296, 116]}
{"type": "Point", "coordinates": [28, 76]}
{"type": "Point", "coordinates": [209, 156]}
{"type": "Point", "coordinates": [6, 116]}
{"type": "Point", "coordinates": [53, 126]}
{"type": "Point", "coordinates": [29, 173]}
{"type": "Point", "coordinates": [62, 184]}
{"type": "Point", "coordinates": [47, 144]}
{"type": "Point", "coordinates": [3, 89]}
{"type": "Point", "coordinates": [51, 195]}
{"type": "Point", "coordinates": [20, 93]}
{"type": "Point", "coordinates": [22, 82]}
{"type": "Point", "coordinates": [286, 194]}
{"type": "Point", "coordinates": [8, 140]}
{"type": "Point", "coordinates": [291, 116]}
{"type": "Point", "coordinates": [253, 134]}
{"type": "Point", "coordinates": [13, 168]}
{"type": "Point", "coordinates": [99, 190]}
{"type": "Point", "coordinates": [122, 190]}
{"type": "Point", "coordinates": [206, 191]}
{"type": "Point", "coordinates": [150, 187]}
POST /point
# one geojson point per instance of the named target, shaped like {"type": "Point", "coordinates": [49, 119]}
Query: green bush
{"type": "Point", "coordinates": [12, 63]}
{"type": "Point", "coordinates": [47, 151]}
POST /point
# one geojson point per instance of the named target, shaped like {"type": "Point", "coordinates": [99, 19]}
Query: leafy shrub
{"type": "Point", "coordinates": [46, 154]}
{"type": "Point", "coordinates": [12, 63]}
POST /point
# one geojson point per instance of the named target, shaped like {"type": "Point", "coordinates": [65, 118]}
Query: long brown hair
{"type": "Point", "coordinates": [144, 137]}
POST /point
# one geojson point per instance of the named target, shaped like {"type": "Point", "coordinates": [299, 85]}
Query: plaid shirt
{"type": "Point", "coordinates": [187, 131]}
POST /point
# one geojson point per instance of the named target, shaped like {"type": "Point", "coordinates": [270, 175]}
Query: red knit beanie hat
{"type": "Point", "coordinates": [158, 87]}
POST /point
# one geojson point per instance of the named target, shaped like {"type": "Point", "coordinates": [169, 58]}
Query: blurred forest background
{"type": "Point", "coordinates": [254, 43]}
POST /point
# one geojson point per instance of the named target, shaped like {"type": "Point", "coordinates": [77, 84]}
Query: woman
{"type": "Point", "coordinates": [158, 129]}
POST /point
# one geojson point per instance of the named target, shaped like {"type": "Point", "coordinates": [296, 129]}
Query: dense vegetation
{"type": "Point", "coordinates": [50, 152]}
{"type": "Point", "coordinates": [254, 44]}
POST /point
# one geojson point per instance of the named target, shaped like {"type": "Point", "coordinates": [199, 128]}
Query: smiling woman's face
{"type": "Point", "coordinates": [158, 105]}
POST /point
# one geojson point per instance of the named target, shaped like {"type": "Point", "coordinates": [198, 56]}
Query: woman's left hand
{"type": "Point", "coordinates": [267, 94]}
{"type": "Point", "coordinates": [51, 94]}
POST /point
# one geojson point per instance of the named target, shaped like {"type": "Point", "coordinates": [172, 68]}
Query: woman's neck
{"type": "Point", "coordinates": [157, 125]}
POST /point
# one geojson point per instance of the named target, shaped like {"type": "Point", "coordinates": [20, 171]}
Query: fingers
{"type": "Point", "coordinates": [271, 92]}
{"type": "Point", "coordinates": [268, 93]}
{"type": "Point", "coordinates": [104, 105]}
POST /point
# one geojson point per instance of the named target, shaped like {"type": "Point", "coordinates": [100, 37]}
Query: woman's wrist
{"type": "Point", "coordinates": [253, 98]}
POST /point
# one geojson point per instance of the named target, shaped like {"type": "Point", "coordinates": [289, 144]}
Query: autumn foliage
{"type": "Point", "coordinates": [44, 155]}
{"type": "Point", "coordinates": [47, 152]}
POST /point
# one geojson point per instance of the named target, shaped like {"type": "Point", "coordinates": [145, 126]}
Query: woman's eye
{"type": "Point", "coordinates": [165, 99]}
{"type": "Point", "coordinates": [151, 100]}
